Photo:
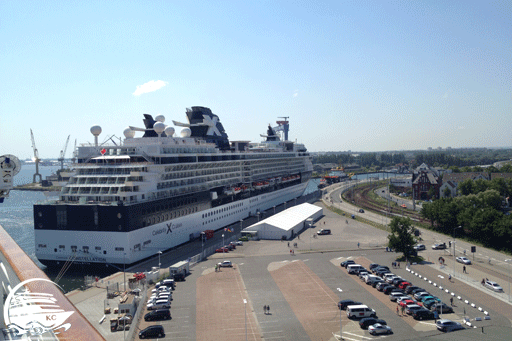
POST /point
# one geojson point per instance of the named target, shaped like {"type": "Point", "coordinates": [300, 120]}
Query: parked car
{"type": "Point", "coordinates": [410, 309]}
{"type": "Point", "coordinates": [423, 314]}
{"type": "Point", "coordinates": [373, 266]}
{"type": "Point", "coordinates": [180, 277]}
{"type": "Point", "coordinates": [152, 331]}
{"type": "Point", "coordinates": [463, 260]}
{"type": "Point", "coordinates": [375, 283]}
{"type": "Point", "coordinates": [415, 291]}
{"type": "Point", "coordinates": [420, 294]}
{"type": "Point", "coordinates": [440, 246]}
{"type": "Point", "coordinates": [382, 286]}
{"type": "Point", "coordinates": [404, 285]}
{"type": "Point", "coordinates": [222, 250]}
{"type": "Point", "coordinates": [226, 264]}
{"type": "Point", "coordinates": [393, 296]}
{"type": "Point", "coordinates": [391, 289]}
{"type": "Point", "coordinates": [159, 314]}
{"type": "Point", "coordinates": [323, 231]}
{"type": "Point", "coordinates": [442, 307]}
{"type": "Point", "coordinates": [160, 304]}
{"type": "Point", "coordinates": [411, 288]}
{"type": "Point", "coordinates": [239, 243]}
{"type": "Point", "coordinates": [370, 321]}
{"type": "Point", "coordinates": [445, 325]}
{"type": "Point", "coordinates": [419, 247]}
{"type": "Point", "coordinates": [343, 304]}
{"type": "Point", "coordinates": [361, 210]}
{"type": "Point", "coordinates": [430, 302]}
{"type": "Point", "coordinates": [493, 286]}
{"type": "Point", "coordinates": [405, 303]}
{"type": "Point", "coordinates": [378, 328]}
{"type": "Point", "coordinates": [346, 263]}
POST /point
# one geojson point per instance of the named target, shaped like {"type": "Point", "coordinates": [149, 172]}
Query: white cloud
{"type": "Point", "coordinates": [296, 93]}
{"type": "Point", "coordinates": [149, 87]}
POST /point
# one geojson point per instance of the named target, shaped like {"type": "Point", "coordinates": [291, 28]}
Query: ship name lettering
{"type": "Point", "coordinates": [51, 317]}
{"type": "Point", "coordinates": [172, 226]}
{"type": "Point", "coordinates": [157, 232]}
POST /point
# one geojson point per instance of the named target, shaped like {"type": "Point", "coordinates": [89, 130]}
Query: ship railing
{"type": "Point", "coordinates": [22, 268]}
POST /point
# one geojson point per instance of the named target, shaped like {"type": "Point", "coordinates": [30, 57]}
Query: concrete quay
{"type": "Point", "coordinates": [301, 289]}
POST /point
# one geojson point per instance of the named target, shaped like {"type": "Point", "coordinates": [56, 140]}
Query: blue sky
{"type": "Point", "coordinates": [351, 75]}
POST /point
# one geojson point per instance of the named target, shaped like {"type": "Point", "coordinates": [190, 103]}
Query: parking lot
{"type": "Point", "coordinates": [302, 292]}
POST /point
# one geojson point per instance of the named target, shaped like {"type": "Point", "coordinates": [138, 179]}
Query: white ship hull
{"type": "Point", "coordinates": [131, 247]}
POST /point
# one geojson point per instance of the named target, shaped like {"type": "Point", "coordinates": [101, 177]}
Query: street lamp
{"type": "Point", "coordinates": [245, 308]}
{"type": "Point", "coordinates": [340, 291]}
{"type": "Point", "coordinates": [455, 228]}
{"type": "Point", "coordinates": [159, 264]}
{"type": "Point", "coordinates": [223, 248]}
{"type": "Point", "coordinates": [509, 265]}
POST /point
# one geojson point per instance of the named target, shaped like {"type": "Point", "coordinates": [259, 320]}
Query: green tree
{"type": "Point", "coordinates": [466, 187]}
{"type": "Point", "coordinates": [447, 193]}
{"type": "Point", "coordinates": [402, 235]}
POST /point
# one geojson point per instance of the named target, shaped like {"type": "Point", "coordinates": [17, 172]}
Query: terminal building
{"type": "Point", "coordinates": [284, 225]}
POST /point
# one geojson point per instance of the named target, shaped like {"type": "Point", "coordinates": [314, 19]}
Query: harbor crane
{"type": "Point", "coordinates": [63, 153]}
{"type": "Point", "coordinates": [36, 160]}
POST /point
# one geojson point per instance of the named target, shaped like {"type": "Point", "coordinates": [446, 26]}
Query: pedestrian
{"type": "Point", "coordinates": [358, 245]}
{"type": "Point", "coordinates": [288, 244]}
{"type": "Point", "coordinates": [397, 311]}
{"type": "Point", "coordinates": [464, 252]}
{"type": "Point", "coordinates": [265, 309]}
{"type": "Point", "coordinates": [451, 301]}
{"type": "Point", "coordinates": [450, 277]}
{"type": "Point", "coordinates": [290, 251]}
{"type": "Point", "coordinates": [399, 265]}
{"type": "Point", "coordinates": [268, 309]}
{"type": "Point", "coordinates": [402, 308]}
{"type": "Point", "coordinates": [464, 269]}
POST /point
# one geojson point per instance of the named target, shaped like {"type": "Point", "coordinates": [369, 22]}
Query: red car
{"type": "Point", "coordinates": [405, 303]}
{"type": "Point", "coordinates": [222, 250]}
{"type": "Point", "coordinates": [404, 285]}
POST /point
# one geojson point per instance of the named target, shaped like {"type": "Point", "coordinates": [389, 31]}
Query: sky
{"type": "Point", "coordinates": [364, 76]}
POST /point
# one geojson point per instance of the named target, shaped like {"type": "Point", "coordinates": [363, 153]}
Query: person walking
{"type": "Point", "coordinates": [265, 309]}
{"type": "Point", "coordinates": [358, 245]}
{"type": "Point", "coordinates": [451, 301]}
{"type": "Point", "coordinates": [464, 269]}
{"type": "Point", "coordinates": [268, 309]}
{"type": "Point", "coordinates": [397, 311]}
{"type": "Point", "coordinates": [402, 308]}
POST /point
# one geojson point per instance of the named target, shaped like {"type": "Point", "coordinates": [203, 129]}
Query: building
{"type": "Point", "coordinates": [425, 183]}
{"type": "Point", "coordinates": [286, 224]}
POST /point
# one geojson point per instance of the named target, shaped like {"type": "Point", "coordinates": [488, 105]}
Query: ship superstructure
{"type": "Point", "coordinates": [127, 201]}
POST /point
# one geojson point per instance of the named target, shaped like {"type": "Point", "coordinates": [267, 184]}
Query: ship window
{"type": "Point", "coordinates": [119, 248]}
{"type": "Point", "coordinates": [62, 247]}
{"type": "Point", "coordinates": [54, 250]}
{"type": "Point", "coordinates": [104, 252]}
{"type": "Point", "coordinates": [97, 248]}
{"type": "Point", "coordinates": [73, 248]}
{"type": "Point", "coordinates": [42, 245]}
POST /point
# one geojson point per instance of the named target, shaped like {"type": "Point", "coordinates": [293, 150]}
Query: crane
{"type": "Point", "coordinates": [36, 159]}
{"type": "Point", "coordinates": [62, 153]}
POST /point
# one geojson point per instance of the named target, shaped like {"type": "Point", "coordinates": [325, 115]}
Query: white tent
{"type": "Point", "coordinates": [287, 223]}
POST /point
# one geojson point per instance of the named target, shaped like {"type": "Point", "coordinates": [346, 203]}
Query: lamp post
{"type": "Point", "coordinates": [509, 265]}
{"type": "Point", "coordinates": [223, 248]}
{"type": "Point", "coordinates": [245, 308]}
{"type": "Point", "coordinates": [124, 272]}
{"type": "Point", "coordinates": [455, 228]}
{"type": "Point", "coordinates": [159, 264]}
{"type": "Point", "coordinates": [340, 291]}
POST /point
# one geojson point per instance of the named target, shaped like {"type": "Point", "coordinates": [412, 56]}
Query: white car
{"type": "Point", "coordinates": [463, 260]}
{"type": "Point", "coordinates": [226, 264]}
{"type": "Point", "coordinates": [159, 305]}
{"type": "Point", "coordinates": [379, 329]}
{"type": "Point", "coordinates": [239, 243]}
{"type": "Point", "coordinates": [493, 286]}
{"type": "Point", "coordinates": [419, 247]}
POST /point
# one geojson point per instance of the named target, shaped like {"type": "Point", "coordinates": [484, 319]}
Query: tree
{"type": "Point", "coordinates": [402, 235]}
{"type": "Point", "coordinates": [447, 193]}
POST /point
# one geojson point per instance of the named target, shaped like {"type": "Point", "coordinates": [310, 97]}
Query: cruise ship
{"type": "Point", "coordinates": [126, 201]}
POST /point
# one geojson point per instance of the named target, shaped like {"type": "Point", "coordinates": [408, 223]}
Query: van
{"type": "Point", "coordinates": [354, 268]}
{"type": "Point", "coordinates": [159, 314]}
{"type": "Point", "coordinates": [360, 311]}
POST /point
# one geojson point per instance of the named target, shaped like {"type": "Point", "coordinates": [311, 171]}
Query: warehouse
{"type": "Point", "coordinates": [286, 224]}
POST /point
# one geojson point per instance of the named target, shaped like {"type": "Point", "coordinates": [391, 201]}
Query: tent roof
{"type": "Point", "coordinates": [289, 218]}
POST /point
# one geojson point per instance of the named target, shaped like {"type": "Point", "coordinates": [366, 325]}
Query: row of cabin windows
{"type": "Point", "coordinates": [164, 217]}
{"type": "Point", "coordinates": [230, 207]}
{"type": "Point", "coordinates": [223, 216]}
{"type": "Point", "coordinates": [85, 249]}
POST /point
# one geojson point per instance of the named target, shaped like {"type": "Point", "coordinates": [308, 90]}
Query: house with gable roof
{"type": "Point", "coordinates": [425, 179]}
{"type": "Point", "coordinates": [452, 180]}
